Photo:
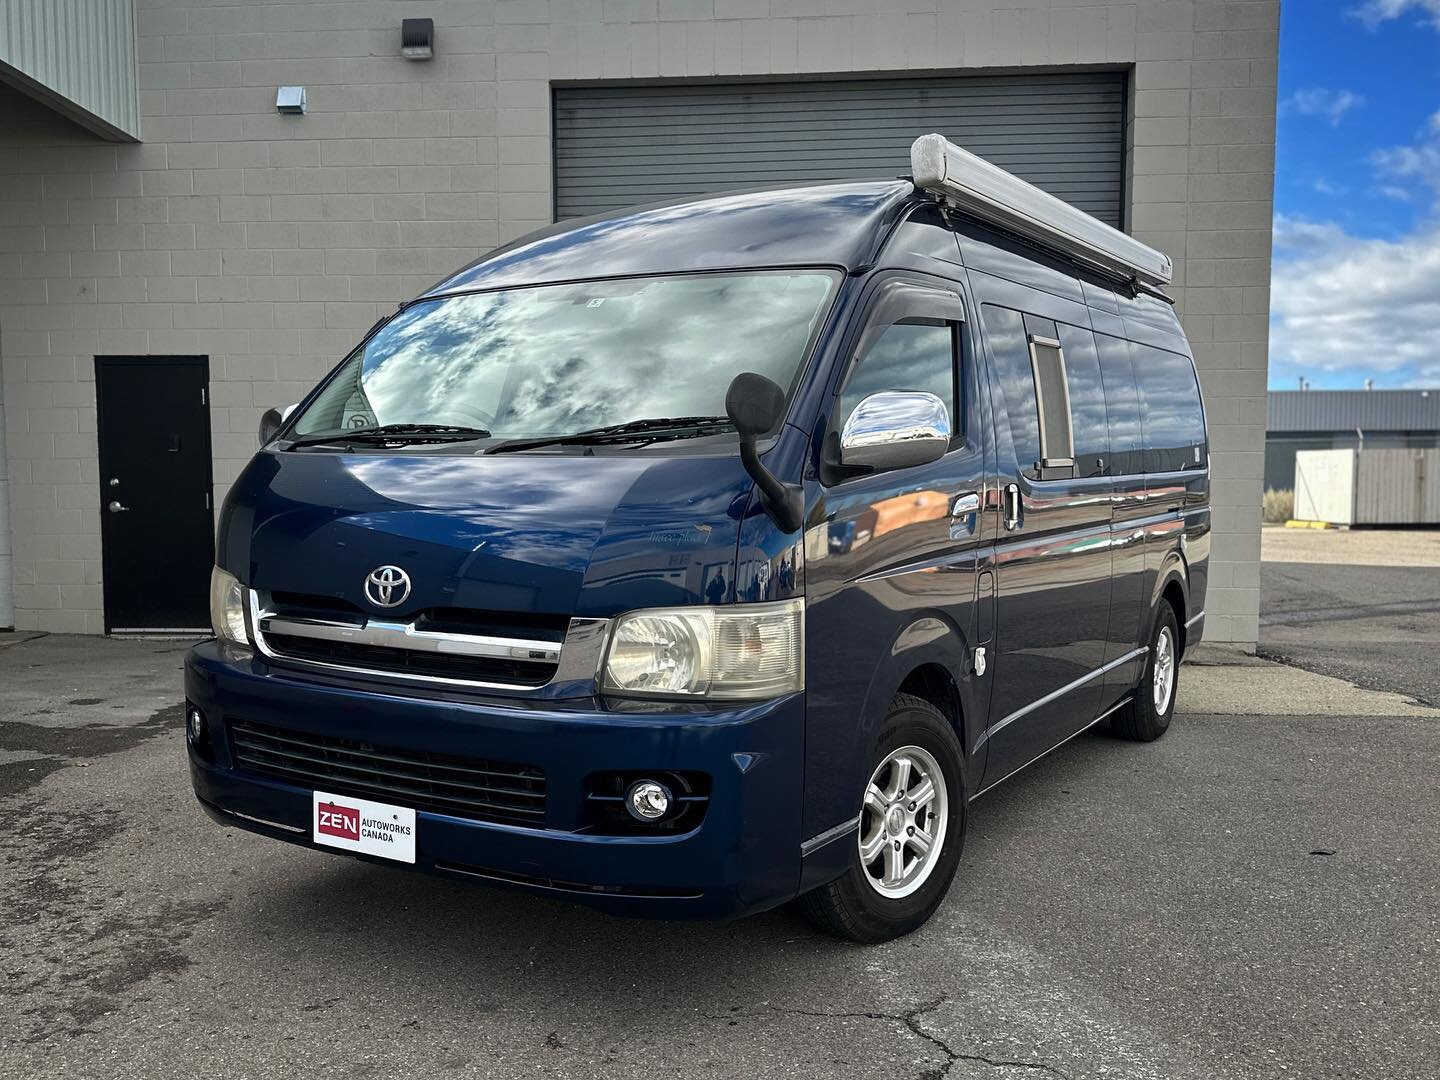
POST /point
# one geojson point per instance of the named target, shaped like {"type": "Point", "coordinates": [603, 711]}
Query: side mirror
{"type": "Point", "coordinates": [756, 405]}
{"type": "Point", "coordinates": [896, 429]}
{"type": "Point", "coordinates": [270, 421]}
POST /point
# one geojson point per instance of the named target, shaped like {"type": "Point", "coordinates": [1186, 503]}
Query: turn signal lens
{"type": "Point", "coordinates": [744, 651]}
{"type": "Point", "coordinates": [227, 607]}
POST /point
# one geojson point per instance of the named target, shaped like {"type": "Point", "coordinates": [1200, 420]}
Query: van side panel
{"type": "Point", "coordinates": [1176, 518]}
{"type": "Point", "coordinates": [1053, 570]}
{"type": "Point", "coordinates": [1130, 585]}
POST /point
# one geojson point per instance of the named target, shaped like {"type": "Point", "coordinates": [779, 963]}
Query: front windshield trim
{"type": "Point", "coordinates": [823, 315]}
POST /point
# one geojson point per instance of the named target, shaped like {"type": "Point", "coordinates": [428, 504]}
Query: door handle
{"type": "Point", "coordinates": [964, 516]}
{"type": "Point", "coordinates": [1012, 507]}
{"type": "Point", "coordinates": [969, 503]}
{"type": "Point", "coordinates": [117, 507]}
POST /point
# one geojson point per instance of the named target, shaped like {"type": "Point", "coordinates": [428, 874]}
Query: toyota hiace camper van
{"type": "Point", "coordinates": [694, 559]}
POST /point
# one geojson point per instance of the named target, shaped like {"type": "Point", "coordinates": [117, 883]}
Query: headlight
{"type": "Point", "coordinates": [227, 607]}
{"type": "Point", "coordinates": [744, 651]}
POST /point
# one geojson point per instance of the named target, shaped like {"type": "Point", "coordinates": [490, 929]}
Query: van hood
{"type": "Point", "coordinates": [543, 534]}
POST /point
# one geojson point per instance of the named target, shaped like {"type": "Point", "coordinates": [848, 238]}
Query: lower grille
{"type": "Point", "coordinates": [477, 789]}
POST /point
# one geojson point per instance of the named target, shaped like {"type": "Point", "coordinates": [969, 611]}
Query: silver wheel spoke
{"type": "Point", "coordinates": [923, 793]}
{"type": "Point", "coordinates": [899, 778]}
{"type": "Point", "coordinates": [870, 847]}
{"type": "Point", "coordinates": [893, 865]}
{"type": "Point", "coordinates": [921, 841]}
{"type": "Point", "coordinates": [875, 801]}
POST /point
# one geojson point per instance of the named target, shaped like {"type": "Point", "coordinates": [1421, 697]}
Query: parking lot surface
{"type": "Point", "coordinates": [1362, 604]}
{"type": "Point", "coordinates": [1252, 896]}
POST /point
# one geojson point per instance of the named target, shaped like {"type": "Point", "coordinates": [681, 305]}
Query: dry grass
{"type": "Point", "coordinates": [1279, 506]}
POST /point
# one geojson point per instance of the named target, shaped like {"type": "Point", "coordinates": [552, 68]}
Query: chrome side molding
{"type": "Point", "coordinates": [1048, 698]}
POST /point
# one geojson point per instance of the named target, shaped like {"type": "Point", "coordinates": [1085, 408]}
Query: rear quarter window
{"type": "Point", "coordinates": [1087, 401]}
{"type": "Point", "coordinates": [1122, 407]}
{"type": "Point", "coordinates": [1173, 418]}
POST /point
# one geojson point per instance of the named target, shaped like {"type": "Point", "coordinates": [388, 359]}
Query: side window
{"type": "Point", "coordinates": [1122, 407]}
{"type": "Point", "coordinates": [1087, 401]}
{"type": "Point", "coordinates": [1031, 366]}
{"type": "Point", "coordinates": [909, 355]}
{"type": "Point", "coordinates": [1174, 419]}
{"type": "Point", "coordinates": [1005, 330]}
{"type": "Point", "coordinates": [1052, 398]}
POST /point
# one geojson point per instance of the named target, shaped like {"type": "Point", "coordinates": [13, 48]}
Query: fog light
{"type": "Point", "coordinates": [194, 724]}
{"type": "Point", "coordinates": [647, 801]}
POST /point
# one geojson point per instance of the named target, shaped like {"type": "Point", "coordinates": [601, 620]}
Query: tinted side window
{"type": "Point", "coordinates": [1011, 348]}
{"type": "Point", "coordinates": [1174, 420]}
{"type": "Point", "coordinates": [1087, 401]}
{"type": "Point", "coordinates": [906, 356]}
{"type": "Point", "coordinates": [1122, 407]}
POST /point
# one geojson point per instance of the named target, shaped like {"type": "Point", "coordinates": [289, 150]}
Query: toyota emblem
{"type": "Point", "coordinates": [387, 586]}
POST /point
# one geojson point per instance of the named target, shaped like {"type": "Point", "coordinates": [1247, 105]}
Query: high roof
{"type": "Point", "coordinates": [837, 224]}
{"type": "Point", "coordinates": [1346, 410]}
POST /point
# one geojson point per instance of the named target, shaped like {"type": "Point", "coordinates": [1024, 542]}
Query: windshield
{"type": "Point", "coordinates": [556, 360]}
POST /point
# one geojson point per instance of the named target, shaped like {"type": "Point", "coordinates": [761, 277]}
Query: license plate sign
{"type": "Point", "coordinates": [359, 825]}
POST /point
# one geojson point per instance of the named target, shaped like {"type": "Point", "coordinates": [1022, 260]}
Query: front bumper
{"type": "Point", "coordinates": [744, 856]}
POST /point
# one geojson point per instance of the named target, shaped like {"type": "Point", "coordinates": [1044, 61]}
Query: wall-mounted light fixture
{"type": "Point", "coordinates": [417, 39]}
{"type": "Point", "coordinates": [290, 100]}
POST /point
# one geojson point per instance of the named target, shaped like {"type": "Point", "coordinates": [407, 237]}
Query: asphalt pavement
{"type": "Point", "coordinates": [1251, 896]}
{"type": "Point", "coordinates": [1362, 605]}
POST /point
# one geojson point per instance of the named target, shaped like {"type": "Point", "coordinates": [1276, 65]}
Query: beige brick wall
{"type": "Point", "coordinates": [268, 242]}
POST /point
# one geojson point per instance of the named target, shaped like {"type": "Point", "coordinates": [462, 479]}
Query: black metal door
{"type": "Point", "coordinates": [157, 531]}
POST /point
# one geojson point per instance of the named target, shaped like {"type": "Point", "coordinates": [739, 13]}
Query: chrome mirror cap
{"type": "Point", "coordinates": [895, 429]}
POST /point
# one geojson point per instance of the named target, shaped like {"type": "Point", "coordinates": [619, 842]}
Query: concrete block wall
{"type": "Point", "coordinates": [269, 243]}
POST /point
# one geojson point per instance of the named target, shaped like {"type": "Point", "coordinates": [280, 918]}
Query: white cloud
{"type": "Point", "coordinates": [1330, 104]}
{"type": "Point", "coordinates": [1417, 164]}
{"type": "Point", "coordinates": [1342, 303]}
{"type": "Point", "coordinates": [1374, 12]}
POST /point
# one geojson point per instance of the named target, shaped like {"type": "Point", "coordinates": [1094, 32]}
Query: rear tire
{"type": "Point", "coordinates": [1146, 716]}
{"type": "Point", "coordinates": [914, 799]}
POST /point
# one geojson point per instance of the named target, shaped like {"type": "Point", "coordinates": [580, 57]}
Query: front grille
{"type": "Point", "coordinates": [474, 788]}
{"type": "Point", "coordinates": [512, 649]}
{"type": "Point", "coordinates": [403, 662]}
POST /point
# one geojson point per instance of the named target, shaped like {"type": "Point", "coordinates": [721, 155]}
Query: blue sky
{"type": "Point", "coordinates": [1357, 195]}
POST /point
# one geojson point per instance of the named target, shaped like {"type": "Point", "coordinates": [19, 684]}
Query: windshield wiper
{"type": "Point", "coordinates": [652, 429]}
{"type": "Point", "coordinates": [395, 433]}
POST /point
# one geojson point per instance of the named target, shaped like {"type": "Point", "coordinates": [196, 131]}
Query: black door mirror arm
{"type": "Point", "coordinates": [783, 502]}
{"type": "Point", "coordinates": [756, 405]}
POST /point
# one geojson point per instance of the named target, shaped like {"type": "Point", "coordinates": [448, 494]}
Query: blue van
{"type": "Point", "coordinates": [696, 559]}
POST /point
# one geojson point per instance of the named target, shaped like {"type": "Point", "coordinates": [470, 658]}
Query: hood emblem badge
{"type": "Point", "coordinates": [387, 586]}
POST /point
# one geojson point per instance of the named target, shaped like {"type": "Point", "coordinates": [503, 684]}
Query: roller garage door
{"type": "Point", "coordinates": [619, 145]}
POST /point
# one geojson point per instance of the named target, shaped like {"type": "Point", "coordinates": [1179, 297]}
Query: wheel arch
{"type": "Point", "coordinates": [1173, 588]}
{"type": "Point", "coordinates": [928, 658]}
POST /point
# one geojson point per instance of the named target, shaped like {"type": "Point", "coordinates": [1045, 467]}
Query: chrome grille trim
{"type": "Point", "coordinates": [390, 635]}
{"type": "Point", "coordinates": [576, 659]}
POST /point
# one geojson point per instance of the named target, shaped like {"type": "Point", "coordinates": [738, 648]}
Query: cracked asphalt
{"type": "Point", "coordinates": [1121, 911]}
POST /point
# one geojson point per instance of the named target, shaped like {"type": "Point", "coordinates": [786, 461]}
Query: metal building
{"type": "Point", "coordinates": [1345, 420]}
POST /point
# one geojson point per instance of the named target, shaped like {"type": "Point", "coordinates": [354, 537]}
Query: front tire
{"type": "Point", "coordinates": [1146, 716]}
{"type": "Point", "coordinates": [912, 830]}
